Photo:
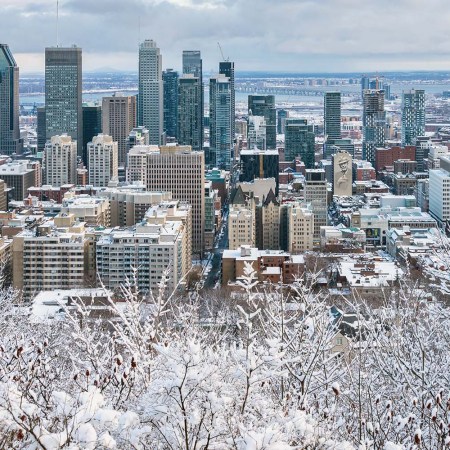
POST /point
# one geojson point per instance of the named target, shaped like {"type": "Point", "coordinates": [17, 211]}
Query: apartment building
{"type": "Point", "coordinates": [103, 160]}
{"type": "Point", "coordinates": [60, 156]}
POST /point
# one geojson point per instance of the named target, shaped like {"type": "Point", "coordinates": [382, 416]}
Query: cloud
{"type": "Point", "coordinates": [294, 35]}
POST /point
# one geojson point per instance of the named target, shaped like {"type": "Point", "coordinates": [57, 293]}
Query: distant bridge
{"type": "Point", "coordinates": [286, 90]}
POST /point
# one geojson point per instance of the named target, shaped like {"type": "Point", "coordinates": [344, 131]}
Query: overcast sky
{"type": "Point", "coordinates": [271, 35]}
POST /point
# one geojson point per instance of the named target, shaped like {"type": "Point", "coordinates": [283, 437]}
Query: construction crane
{"type": "Point", "coordinates": [221, 52]}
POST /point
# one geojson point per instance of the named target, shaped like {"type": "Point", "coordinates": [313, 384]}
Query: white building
{"type": "Point", "coordinates": [439, 195]}
{"type": "Point", "coordinates": [60, 156]}
{"type": "Point", "coordinates": [301, 229]}
{"type": "Point", "coordinates": [103, 160]}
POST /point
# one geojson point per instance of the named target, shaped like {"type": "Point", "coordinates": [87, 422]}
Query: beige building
{"type": "Point", "coordinates": [268, 223]}
{"type": "Point", "coordinates": [241, 220]}
{"type": "Point", "coordinates": [316, 195]}
{"type": "Point", "coordinates": [103, 160]}
{"type": "Point", "coordinates": [94, 211]}
{"type": "Point", "coordinates": [118, 119]}
{"type": "Point", "coordinates": [342, 173]}
{"type": "Point", "coordinates": [52, 256]}
{"type": "Point", "coordinates": [301, 227]}
{"type": "Point", "coordinates": [176, 169]}
{"type": "Point", "coordinates": [129, 204]}
{"type": "Point", "coordinates": [60, 156]}
{"type": "Point", "coordinates": [3, 198]}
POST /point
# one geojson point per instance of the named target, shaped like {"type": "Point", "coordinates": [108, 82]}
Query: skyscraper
{"type": "Point", "coordinates": [264, 105]}
{"type": "Point", "coordinates": [413, 115]}
{"type": "Point", "coordinates": [220, 122]}
{"type": "Point", "coordinates": [150, 104]}
{"type": "Point", "coordinates": [63, 88]}
{"type": "Point", "coordinates": [282, 115]}
{"type": "Point", "coordinates": [10, 141]}
{"type": "Point", "coordinates": [40, 128]}
{"type": "Point", "coordinates": [190, 119]}
{"type": "Point", "coordinates": [193, 65]}
{"type": "Point", "coordinates": [92, 125]}
{"type": "Point", "coordinates": [300, 142]}
{"type": "Point", "coordinates": [118, 119]}
{"type": "Point", "coordinates": [170, 82]}
{"type": "Point", "coordinates": [227, 68]}
{"type": "Point", "coordinates": [374, 123]}
{"type": "Point", "coordinates": [331, 119]}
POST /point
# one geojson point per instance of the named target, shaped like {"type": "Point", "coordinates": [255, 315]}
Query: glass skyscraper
{"type": "Point", "coordinates": [9, 103]}
{"type": "Point", "coordinates": [193, 65]}
{"type": "Point", "coordinates": [63, 91]}
{"type": "Point", "coordinates": [150, 99]}
{"type": "Point", "coordinates": [170, 83]}
{"type": "Point", "coordinates": [374, 123]}
{"type": "Point", "coordinates": [227, 68]}
{"type": "Point", "coordinates": [300, 142]}
{"type": "Point", "coordinates": [189, 117]}
{"type": "Point", "coordinates": [92, 125]}
{"type": "Point", "coordinates": [413, 115]}
{"type": "Point", "coordinates": [220, 122]}
{"type": "Point", "coordinates": [264, 105]}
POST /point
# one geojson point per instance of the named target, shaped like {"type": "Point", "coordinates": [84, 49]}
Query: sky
{"type": "Point", "coordinates": [260, 35]}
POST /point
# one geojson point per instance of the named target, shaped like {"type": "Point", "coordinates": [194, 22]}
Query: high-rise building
{"type": "Point", "coordinates": [193, 65]}
{"type": "Point", "coordinates": [63, 89]}
{"type": "Point", "coordinates": [331, 119]}
{"type": "Point", "coordinates": [92, 125]}
{"type": "Point", "coordinates": [220, 139]}
{"type": "Point", "coordinates": [227, 68]}
{"type": "Point", "coordinates": [282, 115]}
{"type": "Point", "coordinates": [301, 226]}
{"type": "Point", "coordinates": [40, 128]}
{"type": "Point", "coordinates": [190, 117]}
{"type": "Point", "coordinates": [439, 199]}
{"type": "Point", "coordinates": [103, 160]}
{"type": "Point", "coordinates": [176, 169]}
{"type": "Point", "coordinates": [260, 164]}
{"type": "Point", "coordinates": [118, 119]}
{"type": "Point", "coordinates": [365, 84]}
{"type": "Point", "coordinates": [317, 197]}
{"type": "Point", "coordinates": [264, 105]}
{"type": "Point", "coordinates": [18, 176]}
{"type": "Point", "coordinates": [151, 91]}
{"type": "Point", "coordinates": [300, 142]}
{"type": "Point", "coordinates": [10, 141]}
{"type": "Point", "coordinates": [413, 116]}
{"type": "Point", "coordinates": [60, 161]}
{"type": "Point", "coordinates": [374, 123]}
{"type": "Point", "coordinates": [256, 133]}
{"type": "Point", "coordinates": [170, 83]}
{"type": "Point", "coordinates": [137, 136]}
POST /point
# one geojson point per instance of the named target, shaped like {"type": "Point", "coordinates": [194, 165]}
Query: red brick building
{"type": "Point", "coordinates": [385, 157]}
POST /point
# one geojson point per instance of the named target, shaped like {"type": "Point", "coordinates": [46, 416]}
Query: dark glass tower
{"type": "Point", "coordinates": [41, 128]}
{"type": "Point", "coordinates": [92, 125]}
{"type": "Point", "coordinates": [264, 105]}
{"type": "Point", "coordinates": [170, 83]}
{"type": "Point", "coordinates": [374, 123]}
{"type": "Point", "coordinates": [193, 65]}
{"type": "Point", "coordinates": [227, 68]}
{"type": "Point", "coordinates": [9, 103]}
{"type": "Point", "coordinates": [63, 88]}
{"type": "Point", "coordinates": [300, 142]}
{"type": "Point", "coordinates": [189, 117]}
{"type": "Point", "coordinates": [331, 120]}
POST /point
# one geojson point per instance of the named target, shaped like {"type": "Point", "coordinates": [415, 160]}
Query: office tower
{"type": "Point", "coordinates": [60, 156]}
{"type": "Point", "coordinates": [332, 116]}
{"type": "Point", "coordinates": [192, 65]}
{"type": "Point", "coordinates": [439, 200]}
{"type": "Point", "coordinates": [220, 138]}
{"type": "Point", "coordinates": [190, 117]}
{"type": "Point", "coordinates": [342, 178]}
{"type": "Point", "coordinates": [103, 160]}
{"type": "Point", "coordinates": [282, 115]}
{"type": "Point", "coordinates": [256, 133]}
{"type": "Point", "coordinates": [55, 257]}
{"type": "Point", "coordinates": [227, 68]}
{"type": "Point", "coordinates": [118, 119]}
{"type": "Point", "coordinates": [63, 89]}
{"type": "Point", "coordinates": [10, 141]}
{"type": "Point", "coordinates": [176, 169]}
{"type": "Point", "coordinates": [260, 164]}
{"type": "Point", "coordinates": [170, 83]}
{"type": "Point", "coordinates": [40, 128]}
{"type": "Point", "coordinates": [374, 123]}
{"type": "Point", "coordinates": [365, 84]}
{"type": "Point", "coordinates": [300, 142]}
{"type": "Point", "coordinates": [264, 105]}
{"type": "Point", "coordinates": [150, 99]}
{"type": "Point", "coordinates": [18, 176]}
{"type": "Point", "coordinates": [316, 196]}
{"type": "Point", "coordinates": [92, 125]}
{"type": "Point", "coordinates": [413, 116]}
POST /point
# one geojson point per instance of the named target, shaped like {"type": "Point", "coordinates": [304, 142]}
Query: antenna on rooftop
{"type": "Point", "coordinates": [57, 20]}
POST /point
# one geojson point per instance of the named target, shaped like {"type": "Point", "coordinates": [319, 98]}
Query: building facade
{"type": "Point", "coordinates": [103, 160]}
{"type": "Point", "coordinates": [374, 123]}
{"type": "Point", "coordinates": [60, 158]}
{"type": "Point", "coordinates": [92, 125]}
{"type": "Point", "coordinates": [413, 116]}
{"type": "Point", "coordinates": [190, 115]}
{"type": "Point", "coordinates": [170, 84]}
{"type": "Point", "coordinates": [300, 142]}
{"type": "Point", "coordinates": [264, 105]}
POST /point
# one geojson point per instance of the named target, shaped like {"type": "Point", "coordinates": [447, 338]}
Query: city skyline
{"type": "Point", "coordinates": [288, 40]}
